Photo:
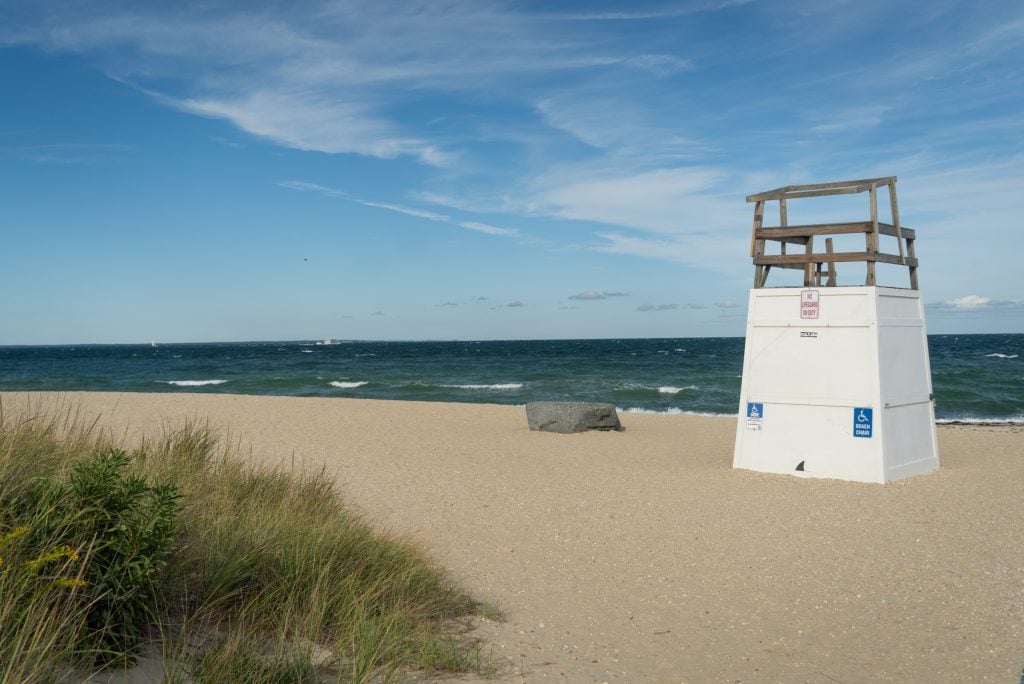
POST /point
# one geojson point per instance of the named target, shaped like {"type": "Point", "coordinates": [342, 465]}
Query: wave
{"type": "Point", "coordinates": [1000, 356]}
{"type": "Point", "coordinates": [668, 389]}
{"type": "Point", "coordinates": [348, 385]}
{"type": "Point", "coordinates": [677, 412]}
{"type": "Point", "coordinates": [306, 351]}
{"type": "Point", "coordinates": [192, 383]}
{"type": "Point", "coordinates": [499, 386]}
{"type": "Point", "coordinates": [1016, 420]}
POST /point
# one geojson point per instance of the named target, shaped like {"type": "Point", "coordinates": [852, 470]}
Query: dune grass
{"type": "Point", "coordinates": [232, 572]}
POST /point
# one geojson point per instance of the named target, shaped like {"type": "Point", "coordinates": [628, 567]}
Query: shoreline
{"type": "Point", "coordinates": [643, 555]}
{"type": "Point", "coordinates": [939, 422]}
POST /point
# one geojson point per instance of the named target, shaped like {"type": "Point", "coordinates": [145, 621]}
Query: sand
{"type": "Point", "coordinates": [642, 556]}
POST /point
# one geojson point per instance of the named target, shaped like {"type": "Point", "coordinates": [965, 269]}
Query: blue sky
{"type": "Point", "coordinates": [481, 170]}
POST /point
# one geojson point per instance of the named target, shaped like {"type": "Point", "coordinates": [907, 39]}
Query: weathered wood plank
{"type": "Point", "coordinates": [851, 227]}
{"type": "Point", "coordinates": [778, 259]}
{"type": "Point", "coordinates": [787, 189]}
{"type": "Point", "coordinates": [797, 194]}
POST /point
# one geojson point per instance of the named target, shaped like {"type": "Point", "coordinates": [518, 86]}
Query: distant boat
{"type": "Point", "coordinates": [327, 341]}
{"type": "Point", "coordinates": [152, 343]}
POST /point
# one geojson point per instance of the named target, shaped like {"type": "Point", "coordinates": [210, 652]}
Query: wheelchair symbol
{"type": "Point", "coordinates": [862, 418]}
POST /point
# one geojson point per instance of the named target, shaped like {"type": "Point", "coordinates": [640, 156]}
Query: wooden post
{"type": "Point", "coordinates": [831, 264]}
{"type": "Point", "coordinates": [896, 219]}
{"type": "Point", "coordinates": [872, 238]}
{"type": "Point", "coordinates": [783, 220]}
{"type": "Point", "coordinates": [758, 220]}
{"type": "Point", "coordinates": [913, 269]}
{"type": "Point", "coordinates": [757, 246]}
{"type": "Point", "coordinates": [808, 266]}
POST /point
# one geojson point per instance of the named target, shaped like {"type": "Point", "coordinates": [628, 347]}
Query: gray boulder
{"type": "Point", "coordinates": [567, 417]}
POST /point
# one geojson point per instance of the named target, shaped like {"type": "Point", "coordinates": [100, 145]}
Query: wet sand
{"type": "Point", "coordinates": [642, 556]}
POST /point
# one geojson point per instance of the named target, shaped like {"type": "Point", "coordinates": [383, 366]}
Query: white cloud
{"type": "Point", "coordinates": [303, 186]}
{"type": "Point", "coordinates": [865, 116]}
{"type": "Point", "coordinates": [313, 122]}
{"type": "Point", "coordinates": [418, 213]}
{"type": "Point", "coordinates": [727, 304]}
{"type": "Point", "coordinates": [587, 296]}
{"type": "Point", "coordinates": [489, 229]}
{"type": "Point", "coordinates": [968, 302]}
{"type": "Point", "coordinates": [661, 64]}
{"type": "Point", "coordinates": [657, 307]}
{"type": "Point", "coordinates": [974, 302]}
{"type": "Point", "coordinates": [668, 201]}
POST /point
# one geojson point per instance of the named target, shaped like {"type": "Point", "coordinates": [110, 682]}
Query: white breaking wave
{"type": "Point", "coordinates": [306, 351]}
{"type": "Point", "coordinates": [349, 385]}
{"type": "Point", "coordinates": [668, 389]}
{"type": "Point", "coordinates": [192, 383]}
{"type": "Point", "coordinates": [676, 412]}
{"type": "Point", "coordinates": [1001, 356]}
{"type": "Point", "coordinates": [500, 386]}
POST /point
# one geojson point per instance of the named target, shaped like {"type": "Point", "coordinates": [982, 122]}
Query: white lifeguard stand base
{"type": "Point", "coordinates": [837, 384]}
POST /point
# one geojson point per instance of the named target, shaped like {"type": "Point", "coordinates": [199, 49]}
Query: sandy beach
{"type": "Point", "coordinates": [642, 556]}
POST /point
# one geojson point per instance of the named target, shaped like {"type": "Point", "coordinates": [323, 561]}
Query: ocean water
{"type": "Point", "coordinates": [975, 377]}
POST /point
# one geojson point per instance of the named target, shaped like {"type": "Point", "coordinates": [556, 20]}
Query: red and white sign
{"type": "Point", "coordinates": [808, 304]}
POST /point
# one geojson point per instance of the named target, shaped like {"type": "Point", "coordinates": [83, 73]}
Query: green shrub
{"type": "Point", "coordinates": [242, 573]}
{"type": "Point", "coordinates": [126, 529]}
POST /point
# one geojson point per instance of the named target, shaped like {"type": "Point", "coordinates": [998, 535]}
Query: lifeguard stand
{"type": "Point", "coordinates": [836, 380]}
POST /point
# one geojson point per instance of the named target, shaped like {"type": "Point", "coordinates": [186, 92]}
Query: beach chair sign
{"type": "Point", "coordinates": [755, 415]}
{"type": "Point", "coordinates": [862, 422]}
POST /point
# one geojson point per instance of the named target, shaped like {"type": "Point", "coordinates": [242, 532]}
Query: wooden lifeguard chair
{"type": "Point", "coordinates": [836, 380]}
{"type": "Point", "coordinates": [819, 266]}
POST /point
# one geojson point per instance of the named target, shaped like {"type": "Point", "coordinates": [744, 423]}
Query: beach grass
{"type": "Point", "coordinates": [175, 544]}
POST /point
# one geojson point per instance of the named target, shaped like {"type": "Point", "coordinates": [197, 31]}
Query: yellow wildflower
{"type": "Point", "coordinates": [12, 535]}
{"type": "Point", "coordinates": [69, 582]}
{"type": "Point", "coordinates": [64, 551]}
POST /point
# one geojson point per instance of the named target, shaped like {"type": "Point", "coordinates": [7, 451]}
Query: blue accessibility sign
{"type": "Point", "coordinates": [863, 420]}
{"type": "Point", "coordinates": [755, 411]}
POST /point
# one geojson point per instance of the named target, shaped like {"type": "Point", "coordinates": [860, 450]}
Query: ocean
{"type": "Point", "coordinates": [976, 378]}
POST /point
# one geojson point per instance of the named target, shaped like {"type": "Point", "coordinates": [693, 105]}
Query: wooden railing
{"type": "Point", "coordinates": [822, 265]}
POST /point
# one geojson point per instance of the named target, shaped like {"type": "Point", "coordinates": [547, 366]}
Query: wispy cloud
{"type": "Point", "coordinates": [657, 307]}
{"type": "Point", "coordinates": [727, 304]}
{"type": "Point", "coordinates": [594, 295]}
{"type": "Point", "coordinates": [72, 153]}
{"type": "Point", "coordinates": [640, 147]}
{"type": "Point", "coordinates": [325, 78]}
{"type": "Point", "coordinates": [303, 186]}
{"type": "Point", "coordinates": [489, 229]}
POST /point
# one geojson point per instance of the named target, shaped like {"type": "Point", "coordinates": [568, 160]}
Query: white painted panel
{"type": "Point", "coordinates": [904, 372]}
{"type": "Point", "coordinates": [867, 347]}
{"type": "Point", "coordinates": [909, 436]}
